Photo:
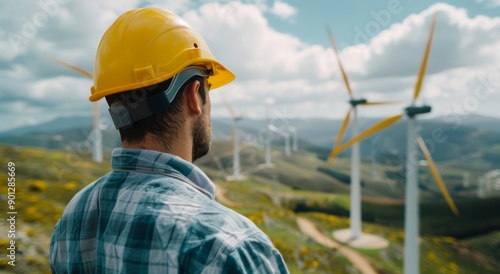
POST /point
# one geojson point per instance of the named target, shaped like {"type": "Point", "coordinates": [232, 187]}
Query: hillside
{"type": "Point", "coordinates": [473, 143]}
{"type": "Point", "coordinates": [272, 198]}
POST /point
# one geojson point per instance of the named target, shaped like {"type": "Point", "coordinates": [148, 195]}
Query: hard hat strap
{"type": "Point", "coordinates": [126, 113]}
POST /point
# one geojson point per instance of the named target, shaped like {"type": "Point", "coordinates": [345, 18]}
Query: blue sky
{"type": "Point", "coordinates": [345, 16]}
{"type": "Point", "coordinates": [278, 49]}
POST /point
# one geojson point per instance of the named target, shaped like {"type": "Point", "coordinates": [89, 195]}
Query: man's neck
{"type": "Point", "coordinates": [181, 147]}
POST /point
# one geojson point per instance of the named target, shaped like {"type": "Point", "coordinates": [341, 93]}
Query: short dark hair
{"type": "Point", "coordinates": [164, 125]}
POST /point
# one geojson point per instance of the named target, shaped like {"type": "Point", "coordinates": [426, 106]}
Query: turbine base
{"type": "Point", "coordinates": [365, 241]}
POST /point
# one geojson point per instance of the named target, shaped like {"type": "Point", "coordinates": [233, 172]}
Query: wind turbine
{"type": "Point", "coordinates": [293, 132]}
{"type": "Point", "coordinates": [268, 107]}
{"type": "Point", "coordinates": [235, 138]}
{"type": "Point", "coordinates": [267, 140]}
{"type": "Point", "coordinates": [355, 203]}
{"type": "Point", "coordinates": [466, 179]}
{"type": "Point", "coordinates": [269, 162]}
{"type": "Point", "coordinates": [411, 249]}
{"type": "Point", "coordinates": [96, 128]}
{"type": "Point", "coordinates": [284, 134]}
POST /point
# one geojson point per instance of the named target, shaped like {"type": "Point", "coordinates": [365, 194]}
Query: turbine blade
{"type": "Point", "coordinates": [80, 70]}
{"type": "Point", "coordinates": [229, 108]}
{"type": "Point", "coordinates": [436, 176]}
{"type": "Point", "coordinates": [344, 75]}
{"type": "Point", "coordinates": [343, 127]}
{"type": "Point", "coordinates": [243, 114]}
{"type": "Point", "coordinates": [423, 66]}
{"type": "Point", "coordinates": [370, 131]}
{"type": "Point", "coordinates": [378, 103]}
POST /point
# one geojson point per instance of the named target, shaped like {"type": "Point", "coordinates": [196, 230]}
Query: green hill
{"type": "Point", "coordinates": [47, 179]}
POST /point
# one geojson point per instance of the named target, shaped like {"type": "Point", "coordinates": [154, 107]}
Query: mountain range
{"type": "Point", "coordinates": [475, 140]}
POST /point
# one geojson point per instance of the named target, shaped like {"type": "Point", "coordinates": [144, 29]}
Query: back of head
{"type": "Point", "coordinates": [144, 58]}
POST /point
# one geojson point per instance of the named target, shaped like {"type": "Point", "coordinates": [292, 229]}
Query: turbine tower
{"type": "Point", "coordinates": [269, 162]}
{"type": "Point", "coordinates": [466, 179]}
{"type": "Point", "coordinates": [284, 134]}
{"type": "Point", "coordinates": [268, 155]}
{"type": "Point", "coordinates": [411, 248]}
{"type": "Point", "coordinates": [355, 203]}
{"type": "Point", "coordinates": [97, 136]}
{"type": "Point", "coordinates": [96, 130]}
{"type": "Point", "coordinates": [235, 140]}
{"type": "Point", "coordinates": [269, 102]}
{"type": "Point", "coordinates": [293, 132]}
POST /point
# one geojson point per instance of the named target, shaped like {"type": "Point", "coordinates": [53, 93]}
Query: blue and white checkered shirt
{"type": "Point", "coordinates": [156, 213]}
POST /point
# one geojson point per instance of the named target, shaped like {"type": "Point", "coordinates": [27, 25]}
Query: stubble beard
{"type": "Point", "coordinates": [202, 137]}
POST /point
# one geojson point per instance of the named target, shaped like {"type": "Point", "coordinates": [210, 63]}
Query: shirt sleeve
{"type": "Point", "coordinates": [255, 254]}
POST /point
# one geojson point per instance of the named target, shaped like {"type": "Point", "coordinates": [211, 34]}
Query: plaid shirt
{"type": "Point", "coordinates": [156, 213]}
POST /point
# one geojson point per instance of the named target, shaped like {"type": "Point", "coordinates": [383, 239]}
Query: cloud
{"type": "Point", "coordinates": [490, 3]}
{"type": "Point", "coordinates": [269, 63]}
{"type": "Point", "coordinates": [245, 42]}
{"type": "Point", "coordinates": [458, 42]}
{"type": "Point", "coordinates": [464, 50]}
{"type": "Point", "coordinates": [283, 10]}
{"type": "Point", "coordinates": [69, 30]}
{"type": "Point", "coordinates": [300, 76]}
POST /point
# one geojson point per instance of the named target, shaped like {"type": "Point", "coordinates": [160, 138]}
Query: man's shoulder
{"type": "Point", "coordinates": [200, 213]}
{"type": "Point", "coordinates": [195, 214]}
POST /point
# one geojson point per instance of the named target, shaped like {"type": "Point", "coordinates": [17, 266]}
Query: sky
{"type": "Point", "coordinates": [279, 51]}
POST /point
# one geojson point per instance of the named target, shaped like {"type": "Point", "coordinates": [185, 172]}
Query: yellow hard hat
{"type": "Point", "coordinates": [147, 46]}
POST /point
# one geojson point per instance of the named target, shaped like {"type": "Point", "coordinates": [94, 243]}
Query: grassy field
{"type": "Point", "coordinates": [46, 181]}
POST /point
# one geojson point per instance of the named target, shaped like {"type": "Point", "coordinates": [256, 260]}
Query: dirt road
{"type": "Point", "coordinates": [308, 228]}
{"type": "Point", "coordinates": [220, 196]}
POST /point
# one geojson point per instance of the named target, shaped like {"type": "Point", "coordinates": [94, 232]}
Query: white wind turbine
{"type": "Point", "coordinates": [411, 249]}
{"type": "Point", "coordinates": [269, 102]}
{"type": "Point", "coordinates": [284, 134]}
{"type": "Point", "coordinates": [235, 139]}
{"type": "Point", "coordinates": [355, 202]}
{"type": "Point", "coordinates": [466, 179]}
{"type": "Point", "coordinates": [96, 126]}
{"type": "Point", "coordinates": [267, 140]}
{"type": "Point", "coordinates": [293, 132]}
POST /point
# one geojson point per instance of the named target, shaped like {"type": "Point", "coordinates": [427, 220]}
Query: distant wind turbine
{"type": "Point", "coordinates": [293, 131]}
{"type": "Point", "coordinates": [268, 155]}
{"type": "Point", "coordinates": [269, 102]}
{"type": "Point", "coordinates": [96, 127]}
{"type": "Point", "coordinates": [235, 139]}
{"type": "Point", "coordinates": [284, 134]}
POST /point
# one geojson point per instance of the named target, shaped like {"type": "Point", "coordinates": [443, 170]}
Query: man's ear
{"type": "Point", "coordinates": [193, 101]}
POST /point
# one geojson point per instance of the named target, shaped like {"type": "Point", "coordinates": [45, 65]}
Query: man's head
{"type": "Point", "coordinates": [187, 114]}
{"type": "Point", "coordinates": [155, 72]}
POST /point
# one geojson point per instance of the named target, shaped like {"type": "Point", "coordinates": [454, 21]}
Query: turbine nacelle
{"type": "Point", "coordinates": [413, 111]}
{"type": "Point", "coordinates": [355, 102]}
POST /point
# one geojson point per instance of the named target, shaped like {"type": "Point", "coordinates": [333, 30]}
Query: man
{"type": "Point", "coordinates": [155, 211]}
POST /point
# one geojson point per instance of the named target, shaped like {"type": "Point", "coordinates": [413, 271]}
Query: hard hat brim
{"type": "Point", "coordinates": [221, 76]}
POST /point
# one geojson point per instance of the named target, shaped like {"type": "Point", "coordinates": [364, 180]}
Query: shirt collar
{"type": "Point", "coordinates": [150, 161]}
